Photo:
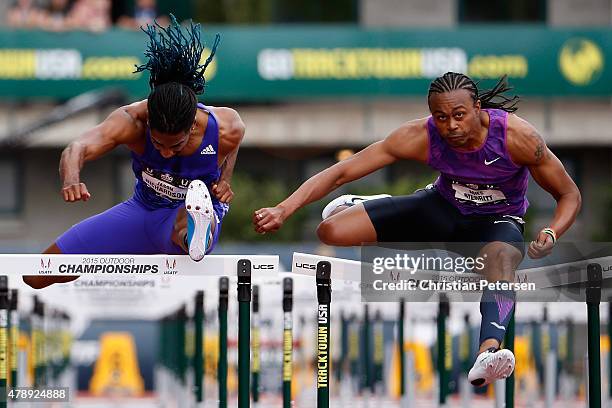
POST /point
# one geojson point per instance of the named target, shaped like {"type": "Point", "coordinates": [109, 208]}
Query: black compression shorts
{"type": "Point", "coordinates": [426, 216]}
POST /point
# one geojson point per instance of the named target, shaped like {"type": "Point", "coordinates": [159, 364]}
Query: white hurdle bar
{"type": "Point", "coordinates": [133, 265]}
{"type": "Point", "coordinates": [544, 277]}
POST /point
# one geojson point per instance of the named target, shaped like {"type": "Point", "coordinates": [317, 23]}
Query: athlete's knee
{"type": "Point", "coordinates": [328, 232]}
{"type": "Point", "coordinates": [508, 254]}
{"type": "Point", "coordinates": [501, 257]}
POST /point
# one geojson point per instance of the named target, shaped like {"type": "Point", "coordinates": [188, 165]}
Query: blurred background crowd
{"type": "Point", "coordinates": [62, 15]}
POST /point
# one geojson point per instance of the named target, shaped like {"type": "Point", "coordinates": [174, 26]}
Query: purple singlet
{"type": "Point", "coordinates": [162, 183]}
{"type": "Point", "coordinates": [483, 181]}
{"type": "Point", "coordinates": [144, 223]}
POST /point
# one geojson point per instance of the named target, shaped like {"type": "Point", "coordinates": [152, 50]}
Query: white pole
{"type": "Point", "coordinates": [550, 371]}
{"type": "Point", "coordinates": [500, 393]}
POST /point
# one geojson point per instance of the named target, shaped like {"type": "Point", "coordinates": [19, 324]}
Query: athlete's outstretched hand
{"type": "Point", "coordinates": [542, 246]}
{"type": "Point", "coordinates": [223, 191]}
{"type": "Point", "coordinates": [268, 219]}
{"type": "Point", "coordinates": [75, 192]}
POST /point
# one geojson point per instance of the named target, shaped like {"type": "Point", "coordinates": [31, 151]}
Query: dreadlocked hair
{"type": "Point", "coordinates": [176, 75]}
{"type": "Point", "coordinates": [452, 81]}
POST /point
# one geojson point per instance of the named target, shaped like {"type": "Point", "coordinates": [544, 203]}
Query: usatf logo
{"type": "Point", "coordinates": [45, 266]}
{"type": "Point", "coordinates": [170, 267]}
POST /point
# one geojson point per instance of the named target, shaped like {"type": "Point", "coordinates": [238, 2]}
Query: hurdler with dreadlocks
{"type": "Point", "coordinates": [484, 154]}
{"type": "Point", "coordinates": [180, 150]}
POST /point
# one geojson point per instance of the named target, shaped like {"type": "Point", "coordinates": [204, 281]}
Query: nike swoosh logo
{"type": "Point", "coordinates": [492, 161]}
{"type": "Point", "coordinates": [497, 222]}
{"type": "Point", "coordinates": [498, 326]}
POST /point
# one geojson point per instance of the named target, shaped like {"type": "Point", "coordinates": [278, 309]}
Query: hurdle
{"type": "Point", "coordinates": [465, 355]}
{"type": "Point", "coordinates": [593, 298]}
{"type": "Point", "coordinates": [353, 351]}
{"type": "Point", "coordinates": [255, 345]}
{"type": "Point", "coordinates": [238, 266]}
{"type": "Point", "coordinates": [15, 373]}
{"type": "Point", "coordinates": [198, 357]}
{"type": "Point", "coordinates": [367, 383]}
{"type": "Point", "coordinates": [287, 340]}
{"type": "Point", "coordinates": [323, 281]}
{"type": "Point", "coordinates": [570, 330]}
{"type": "Point", "coordinates": [589, 272]}
{"type": "Point", "coordinates": [13, 336]}
{"type": "Point", "coordinates": [443, 349]}
{"type": "Point", "coordinates": [378, 355]}
{"type": "Point", "coordinates": [4, 322]}
{"type": "Point", "coordinates": [222, 367]}
{"type": "Point", "coordinates": [402, 353]}
{"type": "Point", "coordinates": [244, 332]}
{"type": "Point", "coordinates": [325, 270]}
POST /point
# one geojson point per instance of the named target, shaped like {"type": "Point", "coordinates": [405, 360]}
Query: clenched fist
{"type": "Point", "coordinates": [75, 192]}
{"type": "Point", "coordinates": [223, 191]}
{"type": "Point", "coordinates": [542, 246]}
{"type": "Point", "coordinates": [268, 219]}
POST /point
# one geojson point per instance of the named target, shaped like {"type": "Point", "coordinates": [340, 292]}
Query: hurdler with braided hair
{"type": "Point", "coordinates": [484, 154]}
{"type": "Point", "coordinates": [183, 156]}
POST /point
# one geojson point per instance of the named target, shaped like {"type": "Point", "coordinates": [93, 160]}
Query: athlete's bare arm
{"type": "Point", "coordinates": [122, 126]}
{"type": "Point", "coordinates": [410, 141]}
{"type": "Point", "coordinates": [528, 148]}
{"type": "Point", "coordinates": [231, 133]}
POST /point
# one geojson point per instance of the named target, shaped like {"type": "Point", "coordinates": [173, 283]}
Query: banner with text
{"type": "Point", "coordinates": [288, 63]}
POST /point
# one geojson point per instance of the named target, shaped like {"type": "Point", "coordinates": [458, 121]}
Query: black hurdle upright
{"type": "Point", "coordinates": [287, 340]}
{"type": "Point", "coordinates": [402, 353]}
{"type": "Point", "coordinates": [198, 359]}
{"type": "Point", "coordinates": [244, 333]}
{"type": "Point", "coordinates": [13, 336]}
{"type": "Point", "coordinates": [323, 280]}
{"type": "Point", "coordinates": [444, 352]}
{"type": "Point", "coordinates": [222, 368]}
{"type": "Point", "coordinates": [4, 322]}
{"type": "Point", "coordinates": [593, 298]}
{"type": "Point", "coordinates": [255, 345]}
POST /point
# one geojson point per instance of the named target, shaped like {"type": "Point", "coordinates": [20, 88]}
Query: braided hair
{"type": "Point", "coordinates": [176, 75]}
{"type": "Point", "coordinates": [452, 81]}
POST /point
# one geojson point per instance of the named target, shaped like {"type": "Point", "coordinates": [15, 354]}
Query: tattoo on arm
{"type": "Point", "coordinates": [540, 150]}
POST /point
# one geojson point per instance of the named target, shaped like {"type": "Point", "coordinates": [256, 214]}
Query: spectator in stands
{"type": "Point", "coordinates": [91, 15]}
{"type": "Point", "coordinates": [56, 16]}
{"type": "Point", "coordinates": [24, 14]}
{"type": "Point", "coordinates": [145, 11]}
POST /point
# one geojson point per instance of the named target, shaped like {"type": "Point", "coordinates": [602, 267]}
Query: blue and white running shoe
{"type": "Point", "coordinates": [200, 218]}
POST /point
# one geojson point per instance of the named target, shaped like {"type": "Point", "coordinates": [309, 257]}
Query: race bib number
{"type": "Point", "coordinates": [477, 195]}
{"type": "Point", "coordinates": [166, 185]}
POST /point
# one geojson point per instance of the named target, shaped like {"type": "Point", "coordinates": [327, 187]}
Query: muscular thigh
{"type": "Point", "coordinates": [123, 229]}
{"type": "Point", "coordinates": [485, 230]}
{"type": "Point", "coordinates": [424, 216]}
